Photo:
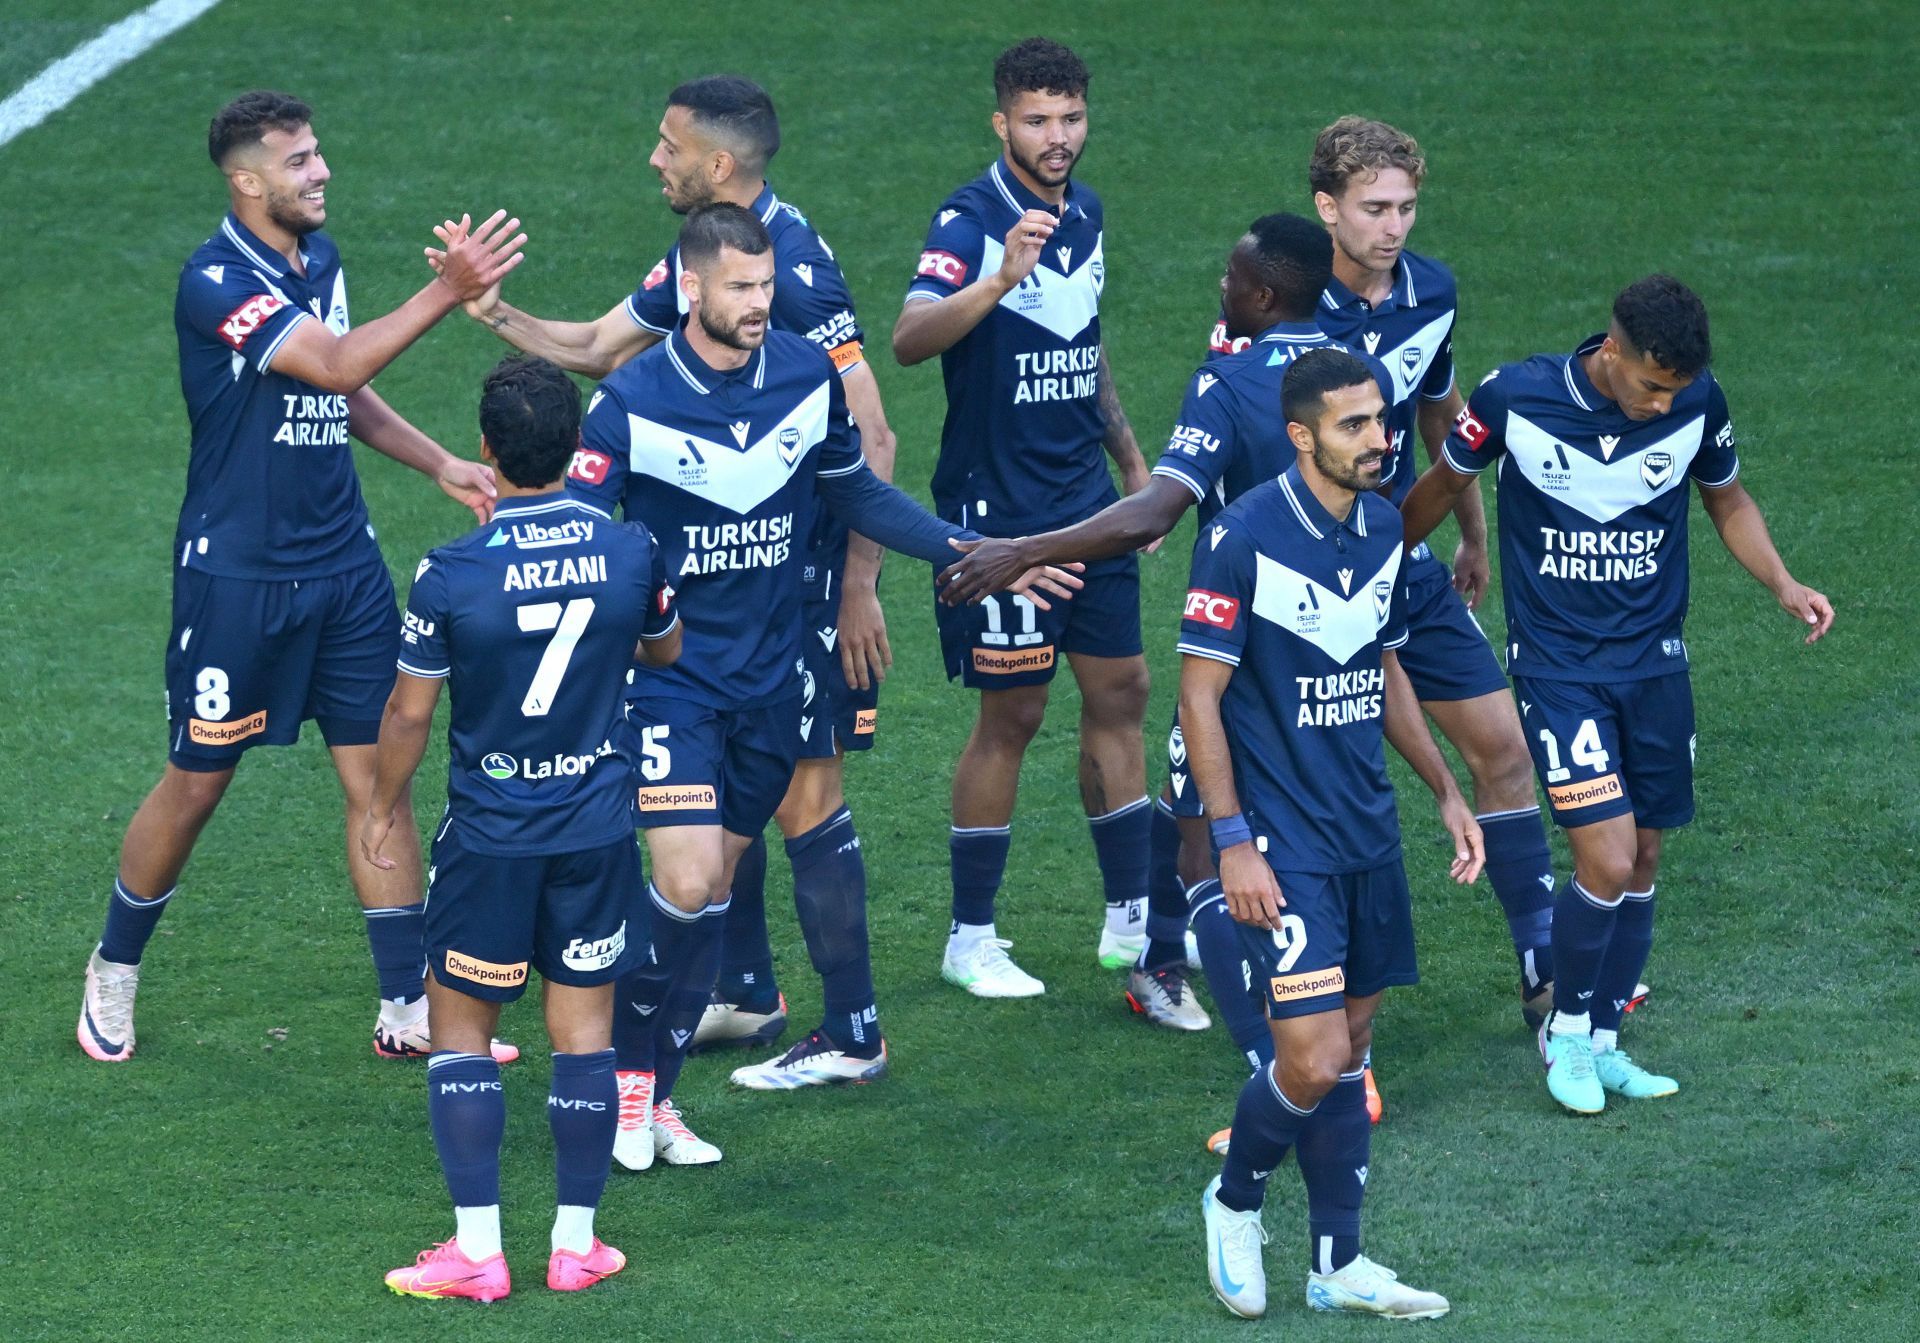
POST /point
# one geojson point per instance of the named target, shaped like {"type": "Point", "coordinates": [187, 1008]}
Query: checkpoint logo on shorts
{"type": "Point", "coordinates": [203, 733]}
{"type": "Point", "coordinates": [1212, 608]}
{"type": "Point", "coordinates": [1586, 793]}
{"type": "Point", "coordinates": [249, 317]}
{"type": "Point", "coordinates": [600, 953]}
{"type": "Point", "coordinates": [493, 975]}
{"type": "Point", "coordinates": [1006, 662]}
{"type": "Point", "coordinates": [678, 797]}
{"type": "Point", "coordinates": [1290, 988]}
{"type": "Point", "coordinates": [864, 721]}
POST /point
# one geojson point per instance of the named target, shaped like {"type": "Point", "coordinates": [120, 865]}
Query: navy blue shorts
{"type": "Point", "coordinates": [1186, 795]}
{"type": "Point", "coordinates": [695, 765]}
{"type": "Point", "coordinates": [1343, 936]}
{"type": "Point", "coordinates": [1622, 748]}
{"type": "Point", "coordinates": [834, 716]}
{"type": "Point", "coordinates": [249, 661]}
{"type": "Point", "coordinates": [1004, 640]}
{"type": "Point", "coordinates": [577, 918]}
{"type": "Point", "coordinates": [1446, 655]}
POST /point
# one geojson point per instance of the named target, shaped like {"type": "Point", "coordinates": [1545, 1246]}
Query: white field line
{"type": "Point", "coordinates": [90, 62]}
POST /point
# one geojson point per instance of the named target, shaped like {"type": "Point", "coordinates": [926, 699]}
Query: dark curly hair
{"type": "Point", "coordinates": [1664, 319]}
{"type": "Point", "coordinates": [530, 415]}
{"type": "Point", "coordinates": [247, 119]}
{"type": "Point", "coordinates": [1038, 65]}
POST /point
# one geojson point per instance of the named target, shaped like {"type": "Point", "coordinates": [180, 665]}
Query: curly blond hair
{"type": "Point", "coordinates": [1356, 146]}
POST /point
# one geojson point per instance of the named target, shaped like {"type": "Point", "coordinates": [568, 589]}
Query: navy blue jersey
{"type": "Point", "coordinates": [1411, 332]}
{"type": "Point", "coordinates": [1593, 514]}
{"type": "Point", "coordinates": [811, 299]}
{"type": "Point", "coordinates": [724, 468]}
{"type": "Point", "coordinates": [533, 620]}
{"type": "Point", "coordinates": [1231, 435]}
{"type": "Point", "coordinates": [271, 489]}
{"type": "Point", "coordinates": [1021, 450]}
{"type": "Point", "coordinates": [1302, 605]}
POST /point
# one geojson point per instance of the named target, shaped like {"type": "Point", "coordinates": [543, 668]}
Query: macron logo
{"type": "Point", "coordinates": [680, 1038]}
{"type": "Point", "coordinates": [1346, 581]}
{"type": "Point", "coordinates": [1608, 442]}
{"type": "Point", "coordinates": [218, 274]}
{"type": "Point", "coordinates": [598, 397]}
{"type": "Point", "coordinates": [741, 428]}
{"type": "Point", "coordinates": [947, 217]}
{"type": "Point", "coordinates": [829, 636]}
{"type": "Point", "coordinates": [1361, 1171]}
{"type": "Point", "coordinates": [806, 729]}
{"type": "Point", "coordinates": [1066, 258]}
{"type": "Point", "coordinates": [1204, 384]}
{"type": "Point", "coordinates": [805, 272]}
{"type": "Point", "coordinates": [1372, 339]}
{"type": "Point", "coordinates": [1219, 534]}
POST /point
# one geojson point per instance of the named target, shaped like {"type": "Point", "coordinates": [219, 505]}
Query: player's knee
{"type": "Point", "coordinates": [194, 793]}
{"type": "Point", "coordinates": [690, 886]}
{"type": "Point", "coordinates": [1503, 780]}
{"type": "Point", "coordinates": [815, 794]}
{"type": "Point", "coordinates": [1120, 698]}
{"type": "Point", "coordinates": [1605, 876]}
{"type": "Point", "coordinates": [1008, 722]}
{"type": "Point", "coordinates": [1310, 1073]}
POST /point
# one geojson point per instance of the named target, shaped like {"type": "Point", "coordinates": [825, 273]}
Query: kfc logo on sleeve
{"type": "Point", "coordinates": [249, 317]}
{"type": "Point", "coordinates": [656, 276]}
{"type": "Point", "coordinates": [589, 466]}
{"type": "Point", "coordinates": [1469, 430]}
{"type": "Point", "coordinates": [944, 267]}
{"type": "Point", "coordinates": [1212, 608]}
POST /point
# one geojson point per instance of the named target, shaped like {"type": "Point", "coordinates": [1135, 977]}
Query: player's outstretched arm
{"type": "Point", "coordinates": [594, 348]}
{"type": "Point", "coordinates": [382, 428]}
{"type": "Point", "coordinates": [1433, 497]}
{"type": "Point", "coordinates": [1744, 533]}
{"type": "Point", "coordinates": [1472, 565]}
{"type": "Point", "coordinates": [474, 261]}
{"type": "Point", "coordinates": [1252, 892]}
{"type": "Point", "coordinates": [1120, 528]}
{"type": "Point", "coordinates": [403, 741]}
{"type": "Point", "coordinates": [663, 650]}
{"type": "Point", "coordinates": [865, 654]}
{"type": "Point", "coordinates": [1407, 729]}
{"type": "Point", "coordinates": [927, 326]}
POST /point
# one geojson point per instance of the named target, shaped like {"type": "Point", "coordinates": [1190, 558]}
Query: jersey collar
{"type": "Point", "coordinates": [703, 379]}
{"type": "Point", "coordinates": [552, 501]}
{"type": "Point", "coordinates": [1312, 514]}
{"type": "Point", "coordinates": [1338, 297]}
{"type": "Point", "coordinates": [765, 203]}
{"type": "Point", "coordinates": [1014, 192]}
{"type": "Point", "coordinates": [256, 251]}
{"type": "Point", "coordinates": [1579, 385]}
{"type": "Point", "coordinates": [1293, 333]}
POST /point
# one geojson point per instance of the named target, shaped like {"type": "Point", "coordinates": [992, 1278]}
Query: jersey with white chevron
{"type": "Point", "coordinates": [1303, 606]}
{"type": "Point", "coordinates": [1021, 449]}
{"type": "Point", "coordinates": [1593, 514]}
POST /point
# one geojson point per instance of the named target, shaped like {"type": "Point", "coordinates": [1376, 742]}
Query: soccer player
{"type": "Point", "coordinates": [1230, 437]}
{"type": "Point", "coordinates": [1288, 678]}
{"type": "Point", "coordinates": [532, 621]}
{"type": "Point", "coordinates": [1595, 451]}
{"type": "Point", "coordinates": [716, 138]}
{"type": "Point", "coordinates": [1400, 307]}
{"type": "Point", "coordinates": [1007, 293]}
{"type": "Point", "coordinates": [282, 606]}
{"type": "Point", "coordinates": [720, 438]}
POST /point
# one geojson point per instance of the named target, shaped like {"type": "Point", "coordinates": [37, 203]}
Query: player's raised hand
{"type": "Point", "coordinates": [471, 483]}
{"type": "Point", "coordinates": [1024, 241]}
{"type": "Point", "coordinates": [986, 567]}
{"type": "Point", "coordinates": [1469, 849]}
{"type": "Point", "coordinates": [475, 260]}
{"type": "Point", "coordinates": [1809, 607]}
{"type": "Point", "coordinates": [1061, 580]}
{"type": "Point", "coordinates": [865, 654]}
{"type": "Point", "coordinates": [1251, 890]}
{"type": "Point", "coordinates": [480, 309]}
{"type": "Point", "coordinates": [1471, 573]}
{"type": "Point", "coordinates": [373, 837]}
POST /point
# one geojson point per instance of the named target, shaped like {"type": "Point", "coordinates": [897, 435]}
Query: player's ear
{"type": "Point", "coordinates": [1300, 436]}
{"type": "Point", "coordinates": [689, 283]}
{"type": "Point", "coordinates": [486, 451]}
{"type": "Point", "coordinates": [244, 182]}
{"type": "Point", "coordinates": [721, 166]}
{"type": "Point", "coordinates": [1326, 207]}
{"type": "Point", "coordinates": [1000, 125]}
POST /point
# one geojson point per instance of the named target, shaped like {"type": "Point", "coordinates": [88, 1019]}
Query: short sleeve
{"type": "Point", "coordinates": [1393, 634]}
{"type": "Point", "coordinates": [1205, 437]}
{"type": "Point", "coordinates": [598, 473]}
{"type": "Point", "coordinates": [654, 306]}
{"type": "Point", "coordinates": [1219, 602]}
{"type": "Point", "coordinates": [840, 453]}
{"type": "Point", "coordinates": [423, 633]}
{"type": "Point", "coordinates": [241, 309]}
{"type": "Point", "coordinates": [1439, 379]}
{"type": "Point", "coordinates": [1718, 461]}
{"type": "Point", "coordinates": [810, 297]}
{"type": "Point", "coordinates": [950, 261]}
{"type": "Point", "coordinates": [1478, 436]}
{"type": "Point", "coordinates": [663, 612]}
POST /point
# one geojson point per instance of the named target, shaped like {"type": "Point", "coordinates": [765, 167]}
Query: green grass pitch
{"type": "Point", "coordinates": [1031, 1170]}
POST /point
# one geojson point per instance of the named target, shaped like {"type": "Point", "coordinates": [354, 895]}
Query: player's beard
{"type": "Point", "coordinates": [1044, 176]}
{"type": "Point", "coordinates": [1347, 477]}
{"type": "Point", "coordinates": [730, 336]}
{"type": "Point", "coordinates": [290, 214]}
{"type": "Point", "coordinates": [687, 194]}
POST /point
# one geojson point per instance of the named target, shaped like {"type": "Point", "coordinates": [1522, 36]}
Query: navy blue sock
{"type": "Point", "coordinates": [468, 1113]}
{"type": "Point", "coordinates": [397, 939]}
{"type": "Point", "coordinates": [638, 997]}
{"type": "Point", "coordinates": [1166, 894]}
{"type": "Point", "coordinates": [979, 859]}
{"type": "Point", "coordinates": [1626, 959]}
{"type": "Point", "coordinates": [1332, 1151]}
{"type": "Point", "coordinates": [583, 1110]}
{"type": "Point", "coordinates": [1120, 848]}
{"type": "Point", "coordinates": [130, 923]}
{"type": "Point", "coordinates": [1223, 960]}
{"type": "Point", "coordinates": [687, 995]}
{"type": "Point", "coordinates": [1582, 927]}
{"type": "Point", "coordinates": [746, 954]}
{"type": "Point", "coordinates": [1265, 1125]}
{"type": "Point", "coordinates": [1520, 868]}
{"type": "Point", "coordinates": [830, 894]}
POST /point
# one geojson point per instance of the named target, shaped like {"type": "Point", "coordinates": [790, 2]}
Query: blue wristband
{"type": "Point", "coordinates": [1228, 831]}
